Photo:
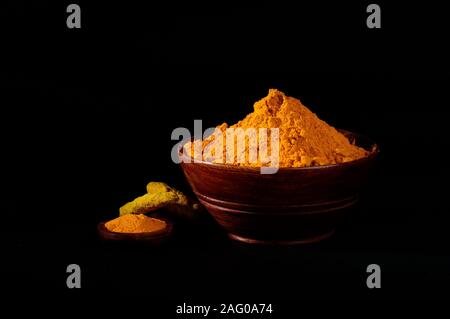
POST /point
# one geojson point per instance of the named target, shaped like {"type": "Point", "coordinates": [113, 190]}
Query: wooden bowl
{"type": "Point", "coordinates": [153, 238]}
{"type": "Point", "coordinates": [294, 205]}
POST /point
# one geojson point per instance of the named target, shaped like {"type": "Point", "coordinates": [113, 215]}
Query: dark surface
{"type": "Point", "coordinates": [86, 123]}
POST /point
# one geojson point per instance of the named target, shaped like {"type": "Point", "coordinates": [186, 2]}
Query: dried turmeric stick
{"type": "Point", "coordinates": [161, 195]}
{"type": "Point", "coordinates": [183, 206]}
{"type": "Point", "coordinates": [148, 202]}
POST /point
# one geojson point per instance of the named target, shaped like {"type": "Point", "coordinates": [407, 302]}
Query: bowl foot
{"type": "Point", "coordinates": [308, 240]}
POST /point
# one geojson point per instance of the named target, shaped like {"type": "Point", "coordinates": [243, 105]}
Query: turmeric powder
{"type": "Point", "coordinates": [135, 223]}
{"type": "Point", "coordinates": [304, 139]}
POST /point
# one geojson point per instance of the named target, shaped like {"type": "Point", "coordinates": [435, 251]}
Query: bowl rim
{"type": "Point", "coordinates": [375, 150]}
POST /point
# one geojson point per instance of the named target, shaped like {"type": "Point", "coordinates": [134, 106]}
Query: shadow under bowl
{"type": "Point", "coordinates": [292, 206]}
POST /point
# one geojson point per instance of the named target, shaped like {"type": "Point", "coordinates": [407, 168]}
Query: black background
{"type": "Point", "coordinates": [87, 116]}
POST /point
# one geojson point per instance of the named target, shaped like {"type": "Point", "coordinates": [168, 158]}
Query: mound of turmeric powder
{"type": "Point", "coordinates": [135, 223]}
{"type": "Point", "coordinates": [304, 139]}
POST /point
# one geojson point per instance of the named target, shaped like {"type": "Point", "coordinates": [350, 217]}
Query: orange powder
{"type": "Point", "coordinates": [135, 223]}
{"type": "Point", "coordinates": [304, 139]}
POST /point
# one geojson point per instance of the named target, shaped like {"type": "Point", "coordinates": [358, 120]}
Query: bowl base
{"type": "Point", "coordinates": [302, 241]}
